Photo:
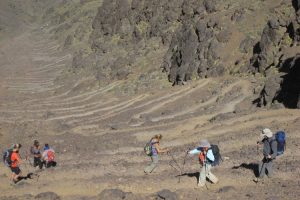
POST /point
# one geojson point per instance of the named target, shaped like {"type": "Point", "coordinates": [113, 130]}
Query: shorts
{"type": "Point", "coordinates": [15, 170]}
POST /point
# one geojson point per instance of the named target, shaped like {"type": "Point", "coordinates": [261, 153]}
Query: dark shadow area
{"type": "Point", "coordinates": [290, 31]}
{"type": "Point", "coordinates": [30, 175]}
{"type": "Point", "coordinates": [251, 166]}
{"type": "Point", "coordinates": [295, 5]}
{"type": "Point", "coordinates": [290, 86]}
{"type": "Point", "coordinates": [191, 175]}
{"type": "Point", "coordinates": [256, 49]}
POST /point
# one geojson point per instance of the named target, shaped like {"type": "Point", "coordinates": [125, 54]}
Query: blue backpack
{"type": "Point", "coordinates": [281, 143]}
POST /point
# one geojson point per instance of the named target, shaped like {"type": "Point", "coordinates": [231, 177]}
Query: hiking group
{"type": "Point", "coordinates": [209, 156]}
{"type": "Point", "coordinates": [12, 159]}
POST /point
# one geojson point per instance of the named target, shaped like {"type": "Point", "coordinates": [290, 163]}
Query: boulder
{"type": "Point", "coordinates": [113, 194]}
{"type": "Point", "coordinates": [166, 195]}
{"type": "Point", "coordinates": [246, 45]}
{"type": "Point", "coordinates": [47, 196]}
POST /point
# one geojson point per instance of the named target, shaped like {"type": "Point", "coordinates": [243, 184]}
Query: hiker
{"type": "Point", "coordinates": [156, 150]}
{"type": "Point", "coordinates": [267, 139]}
{"type": "Point", "coordinates": [15, 163]}
{"type": "Point", "coordinates": [48, 156]}
{"type": "Point", "coordinates": [206, 158]}
{"type": "Point", "coordinates": [35, 151]}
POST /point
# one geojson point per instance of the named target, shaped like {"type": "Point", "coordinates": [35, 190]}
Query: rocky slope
{"type": "Point", "coordinates": [94, 79]}
{"type": "Point", "coordinates": [189, 40]}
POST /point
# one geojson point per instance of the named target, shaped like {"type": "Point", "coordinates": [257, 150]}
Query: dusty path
{"type": "Point", "coordinates": [99, 136]}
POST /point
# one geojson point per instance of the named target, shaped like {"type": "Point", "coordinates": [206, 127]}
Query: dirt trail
{"type": "Point", "coordinates": [99, 136]}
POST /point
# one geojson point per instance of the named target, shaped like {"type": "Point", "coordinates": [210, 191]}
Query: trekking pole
{"type": "Point", "coordinates": [177, 165]}
{"type": "Point", "coordinates": [205, 172]}
{"type": "Point", "coordinates": [183, 164]}
{"type": "Point", "coordinates": [259, 173]}
{"type": "Point", "coordinates": [174, 160]}
{"type": "Point", "coordinates": [173, 166]}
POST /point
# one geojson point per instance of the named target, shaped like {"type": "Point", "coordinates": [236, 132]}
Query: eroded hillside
{"type": "Point", "coordinates": [94, 79]}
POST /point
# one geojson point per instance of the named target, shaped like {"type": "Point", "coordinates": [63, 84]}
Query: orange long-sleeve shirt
{"type": "Point", "coordinates": [15, 158]}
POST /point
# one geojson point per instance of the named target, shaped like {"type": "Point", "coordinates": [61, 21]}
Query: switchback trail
{"type": "Point", "coordinates": [99, 136]}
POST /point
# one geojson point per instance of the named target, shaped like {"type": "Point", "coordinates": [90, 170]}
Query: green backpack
{"type": "Point", "coordinates": [148, 148]}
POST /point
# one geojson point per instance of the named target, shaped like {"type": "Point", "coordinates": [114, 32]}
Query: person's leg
{"type": "Point", "coordinates": [202, 176]}
{"type": "Point", "coordinates": [16, 174]}
{"type": "Point", "coordinates": [210, 175]}
{"type": "Point", "coordinates": [269, 167]}
{"type": "Point", "coordinates": [40, 163]}
{"type": "Point", "coordinates": [261, 169]}
{"type": "Point", "coordinates": [35, 162]}
{"type": "Point", "coordinates": [48, 164]}
{"type": "Point", "coordinates": [153, 165]}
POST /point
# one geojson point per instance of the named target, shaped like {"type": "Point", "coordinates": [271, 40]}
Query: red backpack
{"type": "Point", "coordinates": [50, 155]}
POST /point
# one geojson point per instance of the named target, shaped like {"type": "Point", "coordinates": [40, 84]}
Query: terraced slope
{"type": "Point", "coordinates": [99, 135]}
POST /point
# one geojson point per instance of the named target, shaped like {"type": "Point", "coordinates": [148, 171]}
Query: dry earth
{"type": "Point", "coordinates": [99, 134]}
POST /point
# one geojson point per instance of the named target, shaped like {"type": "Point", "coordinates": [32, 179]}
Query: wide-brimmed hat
{"type": "Point", "coordinates": [204, 143]}
{"type": "Point", "coordinates": [266, 132]}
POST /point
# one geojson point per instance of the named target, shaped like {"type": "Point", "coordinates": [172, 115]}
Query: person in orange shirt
{"type": "Point", "coordinates": [15, 162]}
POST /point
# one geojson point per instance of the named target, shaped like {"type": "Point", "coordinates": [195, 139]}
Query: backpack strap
{"type": "Point", "coordinates": [271, 143]}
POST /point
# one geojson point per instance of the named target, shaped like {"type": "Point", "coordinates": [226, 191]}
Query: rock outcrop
{"type": "Point", "coordinates": [277, 59]}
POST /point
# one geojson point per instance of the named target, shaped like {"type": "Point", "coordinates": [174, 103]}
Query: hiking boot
{"type": "Point", "coordinates": [200, 184]}
{"type": "Point", "coordinates": [258, 180]}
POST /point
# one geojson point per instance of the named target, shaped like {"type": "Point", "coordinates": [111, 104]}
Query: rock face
{"type": "Point", "coordinates": [140, 19]}
{"type": "Point", "coordinates": [278, 61]}
{"type": "Point", "coordinates": [268, 47]}
{"type": "Point", "coordinates": [193, 42]}
{"type": "Point", "coordinates": [290, 86]}
{"type": "Point", "coordinates": [193, 52]}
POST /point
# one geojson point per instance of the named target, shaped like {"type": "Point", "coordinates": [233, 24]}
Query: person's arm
{"type": "Point", "coordinates": [158, 149]}
{"type": "Point", "coordinates": [210, 156]}
{"type": "Point", "coordinates": [195, 151]}
{"type": "Point", "coordinates": [274, 149]}
{"type": "Point", "coordinates": [19, 159]}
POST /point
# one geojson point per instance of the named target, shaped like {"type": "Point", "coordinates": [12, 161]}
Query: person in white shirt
{"type": "Point", "coordinates": [206, 157]}
{"type": "Point", "coordinates": [49, 156]}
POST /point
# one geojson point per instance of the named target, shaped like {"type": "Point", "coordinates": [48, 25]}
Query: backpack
{"type": "Point", "coordinates": [7, 157]}
{"type": "Point", "coordinates": [148, 148]}
{"type": "Point", "coordinates": [50, 156]}
{"type": "Point", "coordinates": [281, 143]}
{"type": "Point", "coordinates": [216, 151]}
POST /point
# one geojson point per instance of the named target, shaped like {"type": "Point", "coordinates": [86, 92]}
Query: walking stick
{"type": "Point", "coordinates": [183, 164]}
{"type": "Point", "coordinates": [179, 169]}
{"type": "Point", "coordinates": [262, 166]}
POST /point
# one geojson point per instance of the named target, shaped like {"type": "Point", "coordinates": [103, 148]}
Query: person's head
{"type": "Point", "coordinates": [36, 143]}
{"type": "Point", "coordinates": [17, 147]}
{"type": "Point", "coordinates": [204, 144]}
{"type": "Point", "coordinates": [266, 133]}
{"type": "Point", "coordinates": [46, 147]}
{"type": "Point", "coordinates": [158, 136]}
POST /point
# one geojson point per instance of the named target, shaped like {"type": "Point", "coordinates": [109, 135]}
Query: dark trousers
{"type": "Point", "coordinates": [50, 164]}
{"type": "Point", "coordinates": [37, 162]}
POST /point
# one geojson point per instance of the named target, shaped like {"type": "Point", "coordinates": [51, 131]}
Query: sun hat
{"type": "Point", "coordinates": [266, 132]}
{"type": "Point", "coordinates": [204, 143]}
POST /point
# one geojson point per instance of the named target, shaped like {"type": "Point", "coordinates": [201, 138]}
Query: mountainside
{"type": "Point", "coordinates": [188, 40]}
{"type": "Point", "coordinates": [96, 79]}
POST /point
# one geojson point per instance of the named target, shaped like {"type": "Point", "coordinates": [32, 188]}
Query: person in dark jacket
{"type": "Point", "coordinates": [269, 152]}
